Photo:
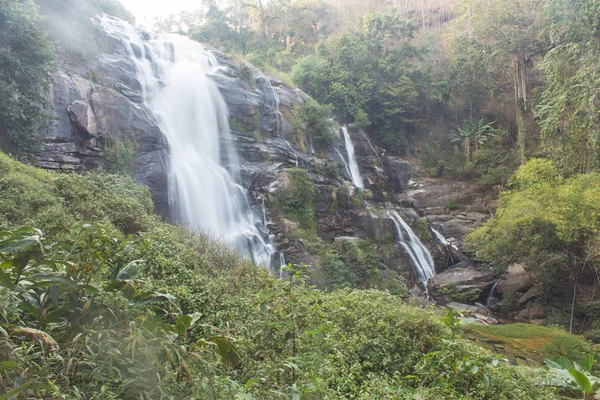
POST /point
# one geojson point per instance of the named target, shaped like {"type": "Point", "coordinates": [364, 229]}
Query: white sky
{"type": "Point", "coordinates": [145, 11]}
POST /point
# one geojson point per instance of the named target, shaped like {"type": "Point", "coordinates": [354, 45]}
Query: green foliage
{"type": "Point", "coordinates": [573, 376]}
{"type": "Point", "coordinates": [166, 312]}
{"type": "Point", "coordinates": [473, 134]}
{"type": "Point", "coordinates": [452, 205]}
{"type": "Point", "coordinates": [366, 80]}
{"type": "Point", "coordinates": [118, 156]}
{"type": "Point", "coordinates": [314, 120]}
{"type": "Point", "coordinates": [451, 293]}
{"type": "Point", "coordinates": [461, 371]}
{"type": "Point", "coordinates": [27, 62]}
{"type": "Point", "coordinates": [216, 31]}
{"type": "Point", "coordinates": [30, 196]}
{"type": "Point", "coordinates": [543, 220]}
{"type": "Point", "coordinates": [297, 200]}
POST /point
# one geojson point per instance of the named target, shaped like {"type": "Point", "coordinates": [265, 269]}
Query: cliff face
{"type": "Point", "coordinates": [98, 102]}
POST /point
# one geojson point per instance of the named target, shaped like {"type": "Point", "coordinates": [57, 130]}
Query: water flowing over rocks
{"type": "Point", "coordinates": [98, 101]}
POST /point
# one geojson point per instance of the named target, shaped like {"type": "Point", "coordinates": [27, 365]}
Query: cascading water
{"type": "Point", "coordinates": [442, 239]}
{"type": "Point", "coordinates": [192, 114]}
{"type": "Point", "coordinates": [352, 165]}
{"type": "Point", "coordinates": [419, 255]}
{"type": "Point", "coordinates": [274, 100]}
{"type": "Point", "coordinates": [372, 148]}
{"type": "Point", "coordinates": [344, 161]}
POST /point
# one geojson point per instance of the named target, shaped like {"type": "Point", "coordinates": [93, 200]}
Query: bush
{"type": "Point", "coordinates": [51, 201]}
{"type": "Point", "coordinates": [314, 120]}
{"type": "Point", "coordinates": [297, 200]}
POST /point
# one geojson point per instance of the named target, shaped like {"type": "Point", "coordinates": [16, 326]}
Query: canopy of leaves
{"type": "Point", "coordinates": [27, 61]}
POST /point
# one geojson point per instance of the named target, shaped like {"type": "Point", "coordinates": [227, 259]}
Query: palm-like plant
{"type": "Point", "coordinates": [474, 133]}
{"type": "Point", "coordinates": [567, 374]}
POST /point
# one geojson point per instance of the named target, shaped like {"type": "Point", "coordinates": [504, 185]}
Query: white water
{"type": "Point", "coordinates": [372, 148]}
{"type": "Point", "coordinates": [419, 255]}
{"type": "Point", "coordinates": [276, 103]}
{"type": "Point", "coordinates": [193, 116]}
{"type": "Point", "coordinates": [344, 161]}
{"type": "Point", "coordinates": [442, 239]}
{"type": "Point", "coordinates": [353, 166]}
{"type": "Point", "coordinates": [491, 296]}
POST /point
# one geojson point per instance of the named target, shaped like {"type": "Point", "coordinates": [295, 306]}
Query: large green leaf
{"type": "Point", "coordinates": [129, 271]}
{"type": "Point", "coordinates": [582, 380]}
{"type": "Point", "coordinates": [18, 390]}
{"type": "Point", "coordinates": [49, 279]}
{"type": "Point", "coordinates": [9, 246]}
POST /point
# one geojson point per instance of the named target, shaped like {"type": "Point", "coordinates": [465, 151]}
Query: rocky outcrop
{"type": "Point", "coordinates": [516, 279]}
{"type": "Point", "coordinates": [464, 280]}
{"type": "Point", "coordinates": [450, 207]}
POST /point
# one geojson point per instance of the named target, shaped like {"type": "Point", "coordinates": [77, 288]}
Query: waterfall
{"type": "Point", "coordinates": [419, 255]}
{"type": "Point", "coordinates": [442, 239]}
{"type": "Point", "coordinates": [344, 161]}
{"type": "Point", "coordinates": [353, 167]}
{"type": "Point", "coordinates": [491, 297]}
{"type": "Point", "coordinates": [276, 102]}
{"type": "Point", "coordinates": [190, 111]}
{"type": "Point", "coordinates": [372, 148]}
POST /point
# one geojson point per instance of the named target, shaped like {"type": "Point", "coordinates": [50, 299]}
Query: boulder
{"type": "Point", "coordinates": [399, 173]}
{"type": "Point", "coordinates": [516, 279]}
{"type": "Point", "coordinates": [468, 309]}
{"type": "Point", "coordinates": [286, 226]}
{"type": "Point", "coordinates": [464, 279]}
{"type": "Point", "coordinates": [531, 294]}
{"type": "Point", "coordinates": [532, 313]}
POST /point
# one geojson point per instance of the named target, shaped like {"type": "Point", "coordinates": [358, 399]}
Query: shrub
{"type": "Point", "coordinates": [297, 200]}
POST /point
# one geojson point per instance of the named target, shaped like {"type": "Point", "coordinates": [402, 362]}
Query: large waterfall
{"type": "Point", "coordinates": [189, 109]}
{"type": "Point", "coordinates": [352, 165]}
{"type": "Point", "coordinates": [418, 253]}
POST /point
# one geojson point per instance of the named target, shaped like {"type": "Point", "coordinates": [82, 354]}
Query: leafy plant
{"type": "Point", "coordinates": [566, 374]}
{"type": "Point", "coordinates": [473, 135]}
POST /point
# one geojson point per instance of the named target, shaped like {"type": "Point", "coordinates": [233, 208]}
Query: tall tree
{"type": "Point", "coordinates": [27, 62]}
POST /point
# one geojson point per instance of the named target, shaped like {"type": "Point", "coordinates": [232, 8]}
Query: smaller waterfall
{"type": "Point", "coordinates": [353, 166]}
{"type": "Point", "coordinates": [418, 253]}
{"type": "Point", "coordinates": [491, 297]}
{"type": "Point", "coordinates": [289, 145]}
{"type": "Point", "coordinates": [442, 239]}
{"type": "Point", "coordinates": [282, 264]}
{"type": "Point", "coordinates": [344, 161]}
{"type": "Point", "coordinates": [372, 148]}
{"type": "Point", "coordinates": [276, 102]}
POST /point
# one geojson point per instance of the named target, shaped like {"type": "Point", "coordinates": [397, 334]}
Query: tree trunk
{"type": "Point", "coordinates": [521, 98]}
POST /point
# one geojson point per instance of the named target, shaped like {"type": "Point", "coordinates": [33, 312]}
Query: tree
{"type": "Point", "coordinates": [27, 62]}
{"type": "Point", "coordinates": [508, 36]}
{"type": "Point", "coordinates": [473, 134]}
{"type": "Point", "coordinates": [568, 108]}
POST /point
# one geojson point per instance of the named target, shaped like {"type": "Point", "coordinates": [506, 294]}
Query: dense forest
{"type": "Point", "coordinates": [101, 298]}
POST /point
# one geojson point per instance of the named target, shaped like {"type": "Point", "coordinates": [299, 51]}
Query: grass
{"type": "Point", "coordinates": [530, 344]}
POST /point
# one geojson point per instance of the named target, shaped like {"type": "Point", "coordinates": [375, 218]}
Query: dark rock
{"type": "Point", "coordinates": [532, 313]}
{"type": "Point", "coordinates": [516, 279]}
{"type": "Point", "coordinates": [468, 309]}
{"type": "Point", "coordinates": [531, 294]}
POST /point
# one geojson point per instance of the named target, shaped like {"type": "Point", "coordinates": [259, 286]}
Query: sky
{"type": "Point", "coordinates": [145, 11]}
